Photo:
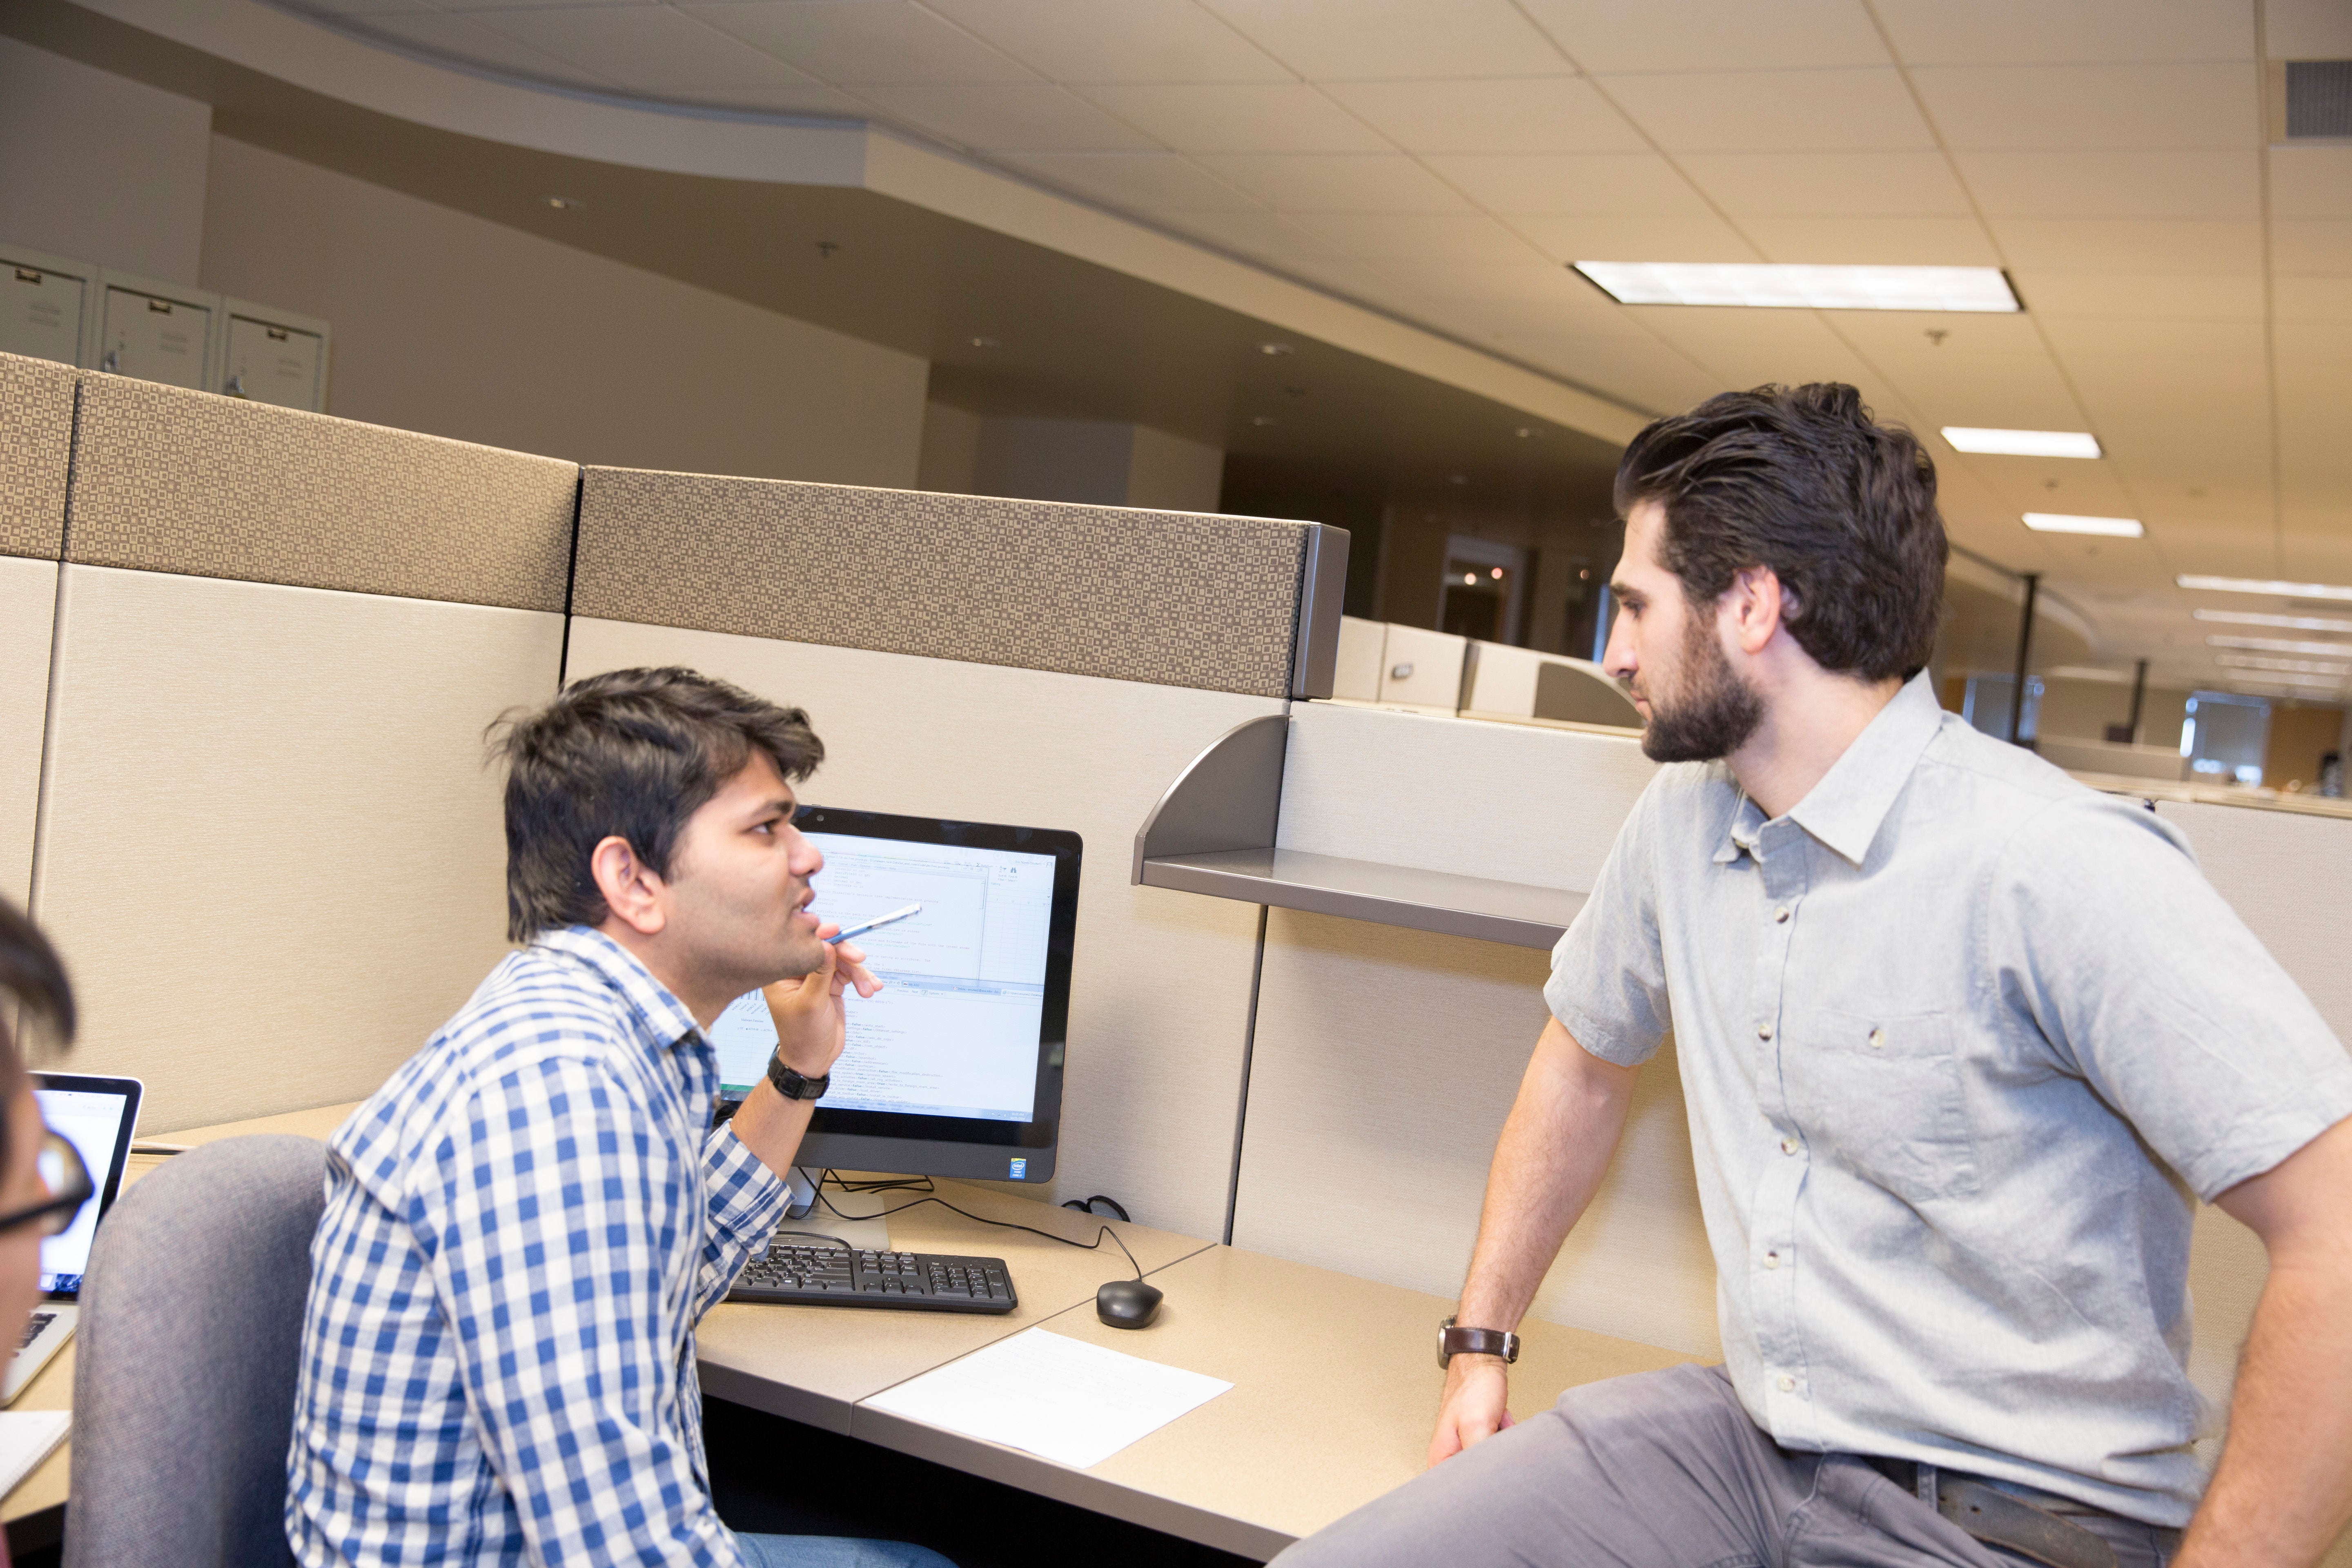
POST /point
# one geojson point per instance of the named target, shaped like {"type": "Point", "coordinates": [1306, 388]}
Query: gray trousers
{"type": "Point", "coordinates": [1665, 1469]}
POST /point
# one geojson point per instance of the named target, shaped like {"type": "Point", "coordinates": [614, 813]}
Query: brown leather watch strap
{"type": "Point", "coordinates": [1453, 1342]}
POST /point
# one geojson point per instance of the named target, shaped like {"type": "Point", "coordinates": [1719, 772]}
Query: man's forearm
{"type": "Point", "coordinates": [773, 1126]}
{"type": "Point", "coordinates": [2283, 1489]}
{"type": "Point", "coordinates": [1555, 1148]}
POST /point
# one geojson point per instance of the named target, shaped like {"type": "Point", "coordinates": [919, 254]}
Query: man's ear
{"type": "Point", "coordinates": [633, 893]}
{"type": "Point", "coordinates": [1755, 608]}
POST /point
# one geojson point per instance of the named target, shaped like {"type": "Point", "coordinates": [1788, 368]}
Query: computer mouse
{"type": "Point", "coordinates": [1127, 1303]}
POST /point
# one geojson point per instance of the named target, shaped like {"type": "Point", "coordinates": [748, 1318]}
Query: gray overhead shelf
{"type": "Point", "coordinates": [1212, 833]}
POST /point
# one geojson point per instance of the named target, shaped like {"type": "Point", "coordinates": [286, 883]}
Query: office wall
{"type": "Point", "coordinates": [2299, 736]}
{"type": "Point", "coordinates": [448, 323]}
{"type": "Point", "coordinates": [1100, 462]}
{"type": "Point", "coordinates": [99, 167]}
{"type": "Point", "coordinates": [1160, 984]}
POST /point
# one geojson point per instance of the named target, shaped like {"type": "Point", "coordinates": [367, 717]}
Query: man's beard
{"type": "Point", "coordinates": [1713, 714]}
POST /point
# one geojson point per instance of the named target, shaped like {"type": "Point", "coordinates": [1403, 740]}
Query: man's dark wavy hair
{"type": "Point", "coordinates": [628, 754]}
{"type": "Point", "coordinates": [40, 1000]}
{"type": "Point", "coordinates": [1803, 481]}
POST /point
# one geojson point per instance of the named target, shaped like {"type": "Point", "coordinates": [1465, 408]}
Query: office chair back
{"type": "Point", "coordinates": [186, 1358]}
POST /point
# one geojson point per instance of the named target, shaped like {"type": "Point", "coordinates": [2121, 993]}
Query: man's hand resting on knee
{"type": "Point", "coordinates": [1477, 1390]}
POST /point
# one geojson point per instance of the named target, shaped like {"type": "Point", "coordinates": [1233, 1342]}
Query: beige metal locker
{"type": "Point", "coordinates": [272, 357]}
{"type": "Point", "coordinates": [48, 306]}
{"type": "Point", "coordinates": [156, 331]}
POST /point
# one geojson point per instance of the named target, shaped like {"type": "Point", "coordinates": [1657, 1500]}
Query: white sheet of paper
{"type": "Point", "coordinates": [1068, 1401]}
{"type": "Point", "coordinates": [26, 1437]}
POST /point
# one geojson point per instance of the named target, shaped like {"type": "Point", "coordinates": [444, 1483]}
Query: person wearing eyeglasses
{"type": "Point", "coordinates": [43, 1182]}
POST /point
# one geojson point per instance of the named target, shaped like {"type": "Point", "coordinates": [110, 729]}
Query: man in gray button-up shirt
{"type": "Point", "coordinates": [1959, 1039]}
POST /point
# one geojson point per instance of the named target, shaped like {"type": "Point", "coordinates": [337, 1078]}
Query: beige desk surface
{"type": "Point", "coordinates": [1334, 1383]}
{"type": "Point", "coordinates": [813, 1363]}
{"type": "Point", "coordinates": [53, 1389]}
{"type": "Point", "coordinates": [1334, 1390]}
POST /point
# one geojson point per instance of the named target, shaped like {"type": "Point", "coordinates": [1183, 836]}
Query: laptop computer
{"type": "Point", "coordinates": [97, 1116]}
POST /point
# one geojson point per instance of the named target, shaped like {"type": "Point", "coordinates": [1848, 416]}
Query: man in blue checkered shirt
{"type": "Point", "coordinates": [523, 1226]}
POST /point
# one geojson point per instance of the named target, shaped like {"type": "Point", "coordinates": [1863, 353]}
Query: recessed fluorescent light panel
{"type": "Point", "coordinates": [2297, 666]}
{"type": "Point", "coordinates": [2092, 672]}
{"type": "Point", "coordinates": [2023, 443]}
{"type": "Point", "coordinates": [2264, 586]}
{"type": "Point", "coordinates": [2282, 644]}
{"type": "Point", "coordinates": [2286, 685]}
{"type": "Point", "coordinates": [2284, 623]}
{"type": "Point", "coordinates": [1758, 285]}
{"type": "Point", "coordinates": [2063, 522]}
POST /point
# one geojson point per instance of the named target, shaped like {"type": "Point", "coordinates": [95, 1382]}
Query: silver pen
{"type": "Point", "coordinates": [877, 921]}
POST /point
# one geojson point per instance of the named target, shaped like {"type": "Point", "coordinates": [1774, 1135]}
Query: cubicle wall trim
{"type": "Point", "coordinates": [49, 694]}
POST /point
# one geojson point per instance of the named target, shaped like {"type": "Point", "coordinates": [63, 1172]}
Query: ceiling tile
{"type": "Point", "coordinates": [2131, 245]}
{"type": "Point", "coordinates": [2185, 296]}
{"type": "Point", "coordinates": [1896, 333]}
{"type": "Point", "coordinates": [463, 38]}
{"type": "Point", "coordinates": [1711, 35]}
{"type": "Point", "coordinates": [2026, 32]}
{"type": "Point", "coordinates": [2079, 107]}
{"type": "Point", "coordinates": [1253, 117]}
{"type": "Point", "coordinates": [2317, 247]}
{"type": "Point", "coordinates": [2294, 301]}
{"type": "Point", "coordinates": [1829, 184]}
{"type": "Point", "coordinates": [1593, 184]}
{"type": "Point", "coordinates": [646, 48]}
{"type": "Point", "coordinates": [848, 41]}
{"type": "Point", "coordinates": [2319, 355]}
{"type": "Point", "coordinates": [2186, 344]}
{"type": "Point", "coordinates": [1338, 182]}
{"type": "Point", "coordinates": [1646, 373]}
{"type": "Point", "coordinates": [2308, 30]}
{"type": "Point", "coordinates": [1132, 41]}
{"type": "Point", "coordinates": [1341, 40]}
{"type": "Point", "coordinates": [1882, 241]}
{"type": "Point", "coordinates": [2311, 182]}
{"type": "Point", "coordinates": [1525, 114]}
{"type": "Point", "coordinates": [1774, 110]}
{"type": "Point", "coordinates": [1268, 236]}
{"type": "Point", "coordinates": [1705, 237]}
{"type": "Point", "coordinates": [1006, 116]}
{"type": "Point", "coordinates": [1750, 348]}
{"type": "Point", "coordinates": [2202, 185]}
{"type": "Point", "coordinates": [1144, 181]}
{"type": "Point", "coordinates": [1462, 239]}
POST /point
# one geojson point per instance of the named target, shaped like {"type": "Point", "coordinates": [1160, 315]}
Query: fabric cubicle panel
{"type": "Point", "coordinates": [36, 412]}
{"type": "Point", "coordinates": [1161, 983]}
{"type": "Point", "coordinates": [270, 847]}
{"type": "Point", "coordinates": [1030, 662]}
{"type": "Point", "coordinates": [2273, 867]}
{"type": "Point", "coordinates": [1172, 599]}
{"type": "Point", "coordinates": [1385, 1060]}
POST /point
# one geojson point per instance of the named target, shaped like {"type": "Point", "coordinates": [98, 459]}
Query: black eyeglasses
{"type": "Point", "coordinates": [68, 1180]}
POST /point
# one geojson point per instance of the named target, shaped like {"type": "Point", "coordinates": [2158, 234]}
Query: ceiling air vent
{"type": "Point", "coordinates": [2318, 97]}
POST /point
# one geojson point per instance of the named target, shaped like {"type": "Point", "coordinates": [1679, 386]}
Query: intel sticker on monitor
{"type": "Point", "coordinates": [1020, 1170]}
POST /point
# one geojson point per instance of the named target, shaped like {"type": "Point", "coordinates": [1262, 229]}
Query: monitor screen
{"type": "Point", "coordinates": [962, 1045]}
{"type": "Point", "coordinates": [96, 1116]}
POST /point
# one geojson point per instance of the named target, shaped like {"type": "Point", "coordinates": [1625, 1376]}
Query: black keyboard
{"type": "Point", "coordinates": [33, 1327]}
{"type": "Point", "coordinates": [914, 1281]}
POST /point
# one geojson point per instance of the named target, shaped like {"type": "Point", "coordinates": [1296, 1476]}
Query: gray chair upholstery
{"type": "Point", "coordinates": [186, 1358]}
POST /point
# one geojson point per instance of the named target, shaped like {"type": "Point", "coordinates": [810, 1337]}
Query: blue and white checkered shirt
{"type": "Point", "coordinates": [522, 1227]}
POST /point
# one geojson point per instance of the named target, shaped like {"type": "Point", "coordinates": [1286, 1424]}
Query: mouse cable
{"type": "Point", "coordinates": [1086, 1206]}
{"type": "Point", "coordinates": [1094, 1246]}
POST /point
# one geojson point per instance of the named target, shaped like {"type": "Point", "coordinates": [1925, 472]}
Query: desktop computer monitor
{"type": "Point", "coordinates": [955, 1067]}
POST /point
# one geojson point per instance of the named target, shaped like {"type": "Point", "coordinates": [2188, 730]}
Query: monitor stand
{"type": "Point", "coordinates": [803, 1212]}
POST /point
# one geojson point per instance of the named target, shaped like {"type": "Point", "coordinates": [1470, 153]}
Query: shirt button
{"type": "Point", "coordinates": [1772, 1261]}
{"type": "Point", "coordinates": [1763, 1031]}
{"type": "Point", "coordinates": [1780, 915]}
{"type": "Point", "coordinates": [1877, 1039]}
{"type": "Point", "coordinates": [1787, 1145]}
{"type": "Point", "coordinates": [1785, 1384]}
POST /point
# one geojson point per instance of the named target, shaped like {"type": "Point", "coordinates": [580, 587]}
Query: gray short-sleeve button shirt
{"type": "Point", "coordinates": [1958, 1038]}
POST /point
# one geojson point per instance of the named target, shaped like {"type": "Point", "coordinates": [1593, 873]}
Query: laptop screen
{"type": "Point", "coordinates": [96, 1115]}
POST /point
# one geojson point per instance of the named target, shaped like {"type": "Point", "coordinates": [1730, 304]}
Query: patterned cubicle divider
{"type": "Point", "coordinates": [1028, 662]}
{"type": "Point", "coordinates": [37, 411]}
{"type": "Point", "coordinates": [269, 845]}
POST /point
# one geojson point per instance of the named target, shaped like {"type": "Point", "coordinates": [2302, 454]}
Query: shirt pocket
{"type": "Point", "coordinates": [1880, 1094]}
